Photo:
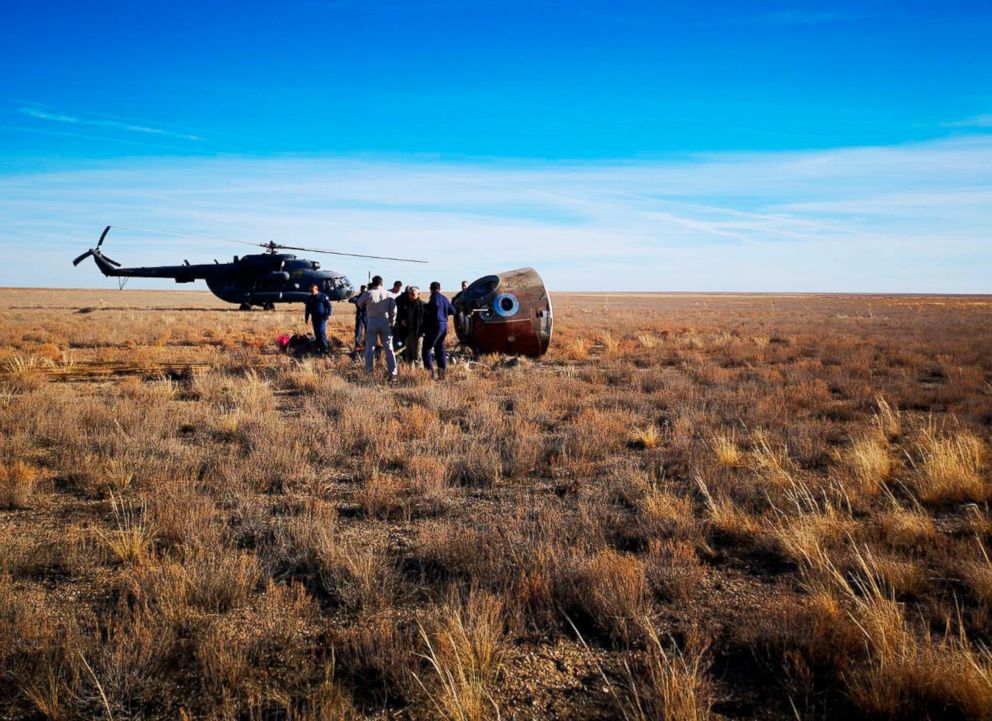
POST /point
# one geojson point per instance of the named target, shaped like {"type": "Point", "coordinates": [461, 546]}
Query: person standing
{"type": "Point", "coordinates": [410, 322]}
{"type": "Point", "coordinates": [399, 335]}
{"type": "Point", "coordinates": [380, 309]}
{"type": "Point", "coordinates": [398, 295]}
{"type": "Point", "coordinates": [318, 308]}
{"type": "Point", "coordinates": [359, 318]}
{"type": "Point", "coordinates": [436, 312]}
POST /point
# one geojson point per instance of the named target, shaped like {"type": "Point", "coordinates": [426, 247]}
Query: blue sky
{"type": "Point", "coordinates": [612, 145]}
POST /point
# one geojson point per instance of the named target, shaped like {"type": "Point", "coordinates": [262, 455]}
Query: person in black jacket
{"type": "Point", "coordinates": [410, 323]}
{"type": "Point", "coordinates": [359, 319]}
{"type": "Point", "coordinates": [318, 307]}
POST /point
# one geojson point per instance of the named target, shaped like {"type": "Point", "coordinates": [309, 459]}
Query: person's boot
{"type": "Point", "coordinates": [441, 374]}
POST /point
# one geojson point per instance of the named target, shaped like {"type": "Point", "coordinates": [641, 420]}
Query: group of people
{"type": "Point", "coordinates": [396, 320]}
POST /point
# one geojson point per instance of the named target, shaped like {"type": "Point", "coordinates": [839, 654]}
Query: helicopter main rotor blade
{"type": "Point", "coordinates": [82, 257]}
{"type": "Point", "coordinates": [337, 252]}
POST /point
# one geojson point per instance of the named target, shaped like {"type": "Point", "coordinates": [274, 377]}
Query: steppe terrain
{"type": "Point", "coordinates": [696, 506]}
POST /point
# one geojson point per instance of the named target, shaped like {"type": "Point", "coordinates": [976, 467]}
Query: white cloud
{"type": "Point", "coordinates": [975, 121]}
{"type": "Point", "coordinates": [71, 119]}
{"type": "Point", "coordinates": [907, 218]}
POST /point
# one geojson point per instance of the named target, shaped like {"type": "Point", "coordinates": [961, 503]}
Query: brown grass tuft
{"type": "Point", "coordinates": [132, 541]}
{"type": "Point", "coordinates": [611, 590]}
{"type": "Point", "coordinates": [18, 481]}
{"type": "Point", "coordinates": [727, 452]}
{"type": "Point", "coordinates": [465, 649]}
{"type": "Point", "coordinates": [646, 437]}
{"type": "Point", "coordinates": [951, 468]}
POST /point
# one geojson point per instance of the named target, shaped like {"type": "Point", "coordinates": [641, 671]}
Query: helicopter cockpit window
{"type": "Point", "coordinates": [481, 288]}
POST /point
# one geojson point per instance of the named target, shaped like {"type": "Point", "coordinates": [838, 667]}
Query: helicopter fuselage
{"type": "Point", "coordinates": [261, 279]}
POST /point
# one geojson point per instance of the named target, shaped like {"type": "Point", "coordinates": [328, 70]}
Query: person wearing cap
{"type": "Point", "coordinates": [436, 312]}
{"type": "Point", "coordinates": [380, 309]}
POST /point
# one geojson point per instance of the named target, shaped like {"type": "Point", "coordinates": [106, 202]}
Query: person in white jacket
{"type": "Point", "coordinates": [380, 312]}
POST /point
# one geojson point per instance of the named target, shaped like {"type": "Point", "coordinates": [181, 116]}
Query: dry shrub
{"type": "Point", "coordinates": [870, 463]}
{"type": "Point", "coordinates": [729, 520]}
{"type": "Point", "coordinates": [418, 422]}
{"type": "Point", "coordinates": [906, 528]}
{"type": "Point", "coordinates": [647, 340]}
{"type": "Point", "coordinates": [647, 437]}
{"type": "Point", "coordinates": [359, 575]}
{"type": "Point", "coordinates": [887, 419]}
{"type": "Point", "coordinates": [674, 570]}
{"type": "Point", "coordinates": [667, 684]}
{"type": "Point", "coordinates": [181, 517]}
{"type": "Point", "coordinates": [131, 649]}
{"type": "Point", "coordinates": [769, 462]}
{"type": "Point", "coordinates": [18, 481]}
{"type": "Point", "coordinates": [377, 651]}
{"type": "Point", "coordinates": [811, 637]}
{"type": "Point", "coordinates": [382, 495]}
{"type": "Point", "coordinates": [594, 434]}
{"type": "Point", "coordinates": [950, 468]}
{"type": "Point", "coordinates": [665, 515]}
{"type": "Point", "coordinates": [908, 673]}
{"type": "Point", "coordinates": [26, 373]}
{"type": "Point", "coordinates": [368, 427]}
{"type": "Point", "coordinates": [219, 579]}
{"type": "Point", "coordinates": [903, 577]}
{"type": "Point", "coordinates": [465, 647]}
{"type": "Point", "coordinates": [576, 349]}
{"type": "Point", "coordinates": [428, 476]}
{"type": "Point", "coordinates": [528, 556]}
{"type": "Point", "coordinates": [116, 476]}
{"type": "Point", "coordinates": [73, 551]}
{"type": "Point", "coordinates": [626, 483]}
{"type": "Point", "coordinates": [977, 576]}
{"type": "Point", "coordinates": [610, 344]}
{"type": "Point", "coordinates": [611, 590]}
{"type": "Point", "coordinates": [727, 452]}
{"type": "Point", "coordinates": [520, 444]}
{"type": "Point", "coordinates": [240, 655]}
{"type": "Point", "coordinates": [202, 582]}
{"type": "Point", "coordinates": [132, 541]}
{"type": "Point", "coordinates": [303, 544]}
{"type": "Point", "coordinates": [49, 693]}
{"type": "Point", "coordinates": [479, 464]}
{"type": "Point", "coordinates": [303, 376]}
{"type": "Point", "coordinates": [814, 535]}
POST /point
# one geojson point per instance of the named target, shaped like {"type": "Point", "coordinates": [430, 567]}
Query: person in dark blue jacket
{"type": "Point", "coordinates": [318, 308]}
{"type": "Point", "coordinates": [436, 314]}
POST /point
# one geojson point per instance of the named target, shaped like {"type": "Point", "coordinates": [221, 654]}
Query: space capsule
{"type": "Point", "coordinates": [507, 313]}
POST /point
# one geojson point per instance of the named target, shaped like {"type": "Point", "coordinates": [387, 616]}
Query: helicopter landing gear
{"type": "Point", "coordinates": [268, 306]}
{"type": "Point", "coordinates": [244, 306]}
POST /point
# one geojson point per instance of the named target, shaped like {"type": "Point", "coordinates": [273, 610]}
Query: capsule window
{"type": "Point", "coordinates": [506, 305]}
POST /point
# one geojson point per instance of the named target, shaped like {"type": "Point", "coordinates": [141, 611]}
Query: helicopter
{"type": "Point", "coordinates": [260, 279]}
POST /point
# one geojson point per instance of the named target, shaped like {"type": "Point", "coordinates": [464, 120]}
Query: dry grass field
{"type": "Point", "coordinates": [695, 507]}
